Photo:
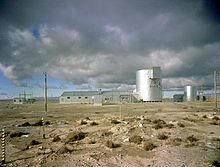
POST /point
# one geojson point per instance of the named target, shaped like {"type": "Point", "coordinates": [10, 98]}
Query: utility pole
{"type": "Point", "coordinates": [45, 101]}
{"type": "Point", "coordinates": [45, 91]}
{"type": "Point", "coordinates": [215, 90]}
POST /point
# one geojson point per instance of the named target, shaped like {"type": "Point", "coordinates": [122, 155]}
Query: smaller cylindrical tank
{"type": "Point", "coordinates": [190, 93]}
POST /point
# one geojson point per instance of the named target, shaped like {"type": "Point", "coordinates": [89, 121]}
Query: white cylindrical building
{"type": "Point", "coordinates": [190, 93]}
{"type": "Point", "coordinates": [148, 84]}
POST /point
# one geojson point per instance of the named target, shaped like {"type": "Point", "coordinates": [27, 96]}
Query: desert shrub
{"type": "Point", "coordinates": [87, 118]}
{"type": "Point", "coordinates": [149, 146]}
{"type": "Point", "coordinates": [25, 124]}
{"type": "Point", "coordinates": [74, 136]}
{"type": "Point", "coordinates": [83, 122]}
{"type": "Point", "coordinates": [192, 138]}
{"type": "Point", "coordinates": [38, 123]}
{"type": "Point", "coordinates": [215, 118]}
{"type": "Point", "coordinates": [180, 124]}
{"type": "Point", "coordinates": [107, 133]}
{"type": "Point", "coordinates": [91, 142]}
{"type": "Point", "coordinates": [159, 121]}
{"type": "Point", "coordinates": [136, 139]}
{"type": "Point", "coordinates": [214, 122]}
{"type": "Point", "coordinates": [175, 141]}
{"type": "Point", "coordinates": [56, 139]}
{"type": "Point", "coordinates": [162, 136]}
{"type": "Point", "coordinates": [216, 139]}
{"type": "Point", "coordinates": [64, 149]}
{"type": "Point", "coordinates": [47, 123]}
{"type": "Point", "coordinates": [17, 134]}
{"type": "Point", "coordinates": [159, 124]}
{"type": "Point", "coordinates": [110, 144]}
{"type": "Point", "coordinates": [189, 119]}
{"type": "Point", "coordinates": [34, 142]}
{"type": "Point", "coordinates": [115, 121]}
{"type": "Point", "coordinates": [170, 126]}
{"type": "Point", "coordinates": [93, 123]}
{"type": "Point", "coordinates": [216, 163]}
{"type": "Point", "coordinates": [204, 116]}
{"type": "Point", "coordinates": [148, 120]}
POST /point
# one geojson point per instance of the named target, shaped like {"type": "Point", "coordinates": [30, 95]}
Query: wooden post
{"type": "Point", "coordinates": [45, 103]}
{"type": "Point", "coordinates": [215, 90]}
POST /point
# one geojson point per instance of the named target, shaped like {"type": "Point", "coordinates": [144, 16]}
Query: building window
{"type": "Point", "coordinates": [20, 100]}
{"type": "Point", "coordinates": [14, 100]}
{"type": "Point", "coordinates": [86, 97]}
{"type": "Point", "coordinates": [79, 97]}
{"type": "Point", "coordinates": [68, 97]}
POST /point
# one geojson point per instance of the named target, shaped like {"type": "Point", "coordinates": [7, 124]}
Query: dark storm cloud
{"type": "Point", "coordinates": [103, 43]}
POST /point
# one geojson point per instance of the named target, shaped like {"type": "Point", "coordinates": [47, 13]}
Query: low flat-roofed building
{"type": "Point", "coordinates": [97, 97]}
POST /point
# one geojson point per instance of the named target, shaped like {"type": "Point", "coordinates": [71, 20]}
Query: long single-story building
{"type": "Point", "coordinates": [97, 97]}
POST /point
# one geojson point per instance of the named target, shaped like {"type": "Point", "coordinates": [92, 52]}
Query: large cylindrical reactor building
{"type": "Point", "coordinates": [148, 84]}
{"type": "Point", "coordinates": [190, 93]}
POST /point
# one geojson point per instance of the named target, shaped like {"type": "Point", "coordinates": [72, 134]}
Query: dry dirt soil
{"type": "Point", "coordinates": [162, 134]}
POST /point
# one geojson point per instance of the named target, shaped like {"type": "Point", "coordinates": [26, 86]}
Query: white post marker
{"type": "Point", "coordinates": [3, 146]}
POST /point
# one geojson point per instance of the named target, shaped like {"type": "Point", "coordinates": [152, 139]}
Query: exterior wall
{"type": "Point", "coordinates": [76, 99]}
{"type": "Point", "coordinates": [148, 84]}
{"type": "Point", "coordinates": [18, 101]}
{"type": "Point", "coordinates": [97, 100]}
{"type": "Point", "coordinates": [109, 97]}
{"type": "Point", "coordinates": [178, 97]}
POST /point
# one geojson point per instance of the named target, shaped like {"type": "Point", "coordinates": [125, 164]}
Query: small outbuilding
{"type": "Point", "coordinates": [18, 100]}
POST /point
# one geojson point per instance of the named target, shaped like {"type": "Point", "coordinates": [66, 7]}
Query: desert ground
{"type": "Point", "coordinates": [164, 134]}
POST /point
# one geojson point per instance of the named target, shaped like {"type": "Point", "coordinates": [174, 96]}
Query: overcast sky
{"type": "Point", "coordinates": [89, 44]}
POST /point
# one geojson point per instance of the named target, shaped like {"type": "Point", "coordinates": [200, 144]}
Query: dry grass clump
{"type": "Point", "coordinates": [216, 139]}
{"type": "Point", "coordinates": [191, 141]}
{"type": "Point", "coordinates": [114, 121]}
{"type": "Point", "coordinates": [157, 121]}
{"type": "Point", "coordinates": [74, 136]}
{"type": "Point", "coordinates": [175, 141]}
{"type": "Point", "coordinates": [147, 120]}
{"type": "Point", "coordinates": [56, 139]}
{"type": "Point", "coordinates": [91, 142]}
{"type": "Point", "coordinates": [159, 124]}
{"type": "Point", "coordinates": [38, 123]}
{"type": "Point", "coordinates": [93, 123]}
{"type": "Point", "coordinates": [180, 124]}
{"type": "Point", "coordinates": [34, 142]}
{"type": "Point", "coordinates": [107, 133]}
{"type": "Point", "coordinates": [214, 122]}
{"type": "Point", "coordinates": [162, 136]}
{"type": "Point", "coordinates": [216, 163]}
{"type": "Point", "coordinates": [149, 146]}
{"type": "Point", "coordinates": [169, 126]}
{"type": "Point", "coordinates": [215, 118]}
{"type": "Point", "coordinates": [17, 134]}
{"type": "Point", "coordinates": [189, 119]}
{"type": "Point", "coordinates": [64, 149]}
{"type": "Point", "coordinates": [25, 124]}
{"type": "Point", "coordinates": [136, 139]}
{"type": "Point", "coordinates": [87, 118]}
{"type": "Point", "coordinates": [110, 144]}
{"type": "Point", "coordinates": [192, 138]}
{"type": "Point", "coordinates": [83, 122]}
